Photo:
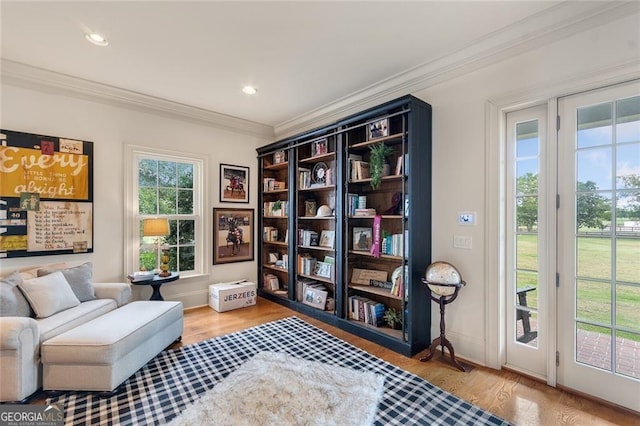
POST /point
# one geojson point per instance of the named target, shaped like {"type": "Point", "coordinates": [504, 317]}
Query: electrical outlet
{"type": "Point", "coordinates": [462, 241]}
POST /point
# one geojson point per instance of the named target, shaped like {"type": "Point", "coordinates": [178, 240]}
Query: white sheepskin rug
{"type": "Point", "coordinates": [275, 388]}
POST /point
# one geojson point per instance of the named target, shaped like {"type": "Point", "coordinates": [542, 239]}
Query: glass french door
{"type": "Point", "coordinates": [526, 221]}
{"type": "Point", "coordinates": [599, 244]}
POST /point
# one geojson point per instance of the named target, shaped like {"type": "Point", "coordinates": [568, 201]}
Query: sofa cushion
{"type": "Point", "coordinates": [79, 278]}
{"type": "Point", "coordinates": [12, 301]}
{"type": "Point", "coordinates": [49, 294]}
{"type": "Point", "coordinates": [72, 318]}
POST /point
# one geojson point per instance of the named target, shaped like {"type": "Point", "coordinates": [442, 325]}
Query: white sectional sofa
{"type": "Point", "coordinates": [36, 306]}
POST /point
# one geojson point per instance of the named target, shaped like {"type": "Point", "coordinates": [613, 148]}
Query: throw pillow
{"type": "Point", "coordinates": [49, 294]}
{"type": "Point", "coordinates": [12, 301]}
{"type": "Point", "coordinates": [79, 278]}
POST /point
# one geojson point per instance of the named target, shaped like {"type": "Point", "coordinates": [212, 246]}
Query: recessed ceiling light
{"type": "Point", "coordinates": [96, 39]}
{"type": "Point", "coordinates": [249, 90]}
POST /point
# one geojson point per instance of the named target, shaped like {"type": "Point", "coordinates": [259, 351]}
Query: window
{"type": "Point", "coordinates": [166, 185]}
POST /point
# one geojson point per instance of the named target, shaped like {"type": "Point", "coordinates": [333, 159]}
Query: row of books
{"type": "Point", "coordinates": [306, 264]}
{"type": "Point", "coordinates": [275, 208]}
{"type": "Point", "coordinates": [366, 310]}
{"type": "Point", "coordinates": [270, 233]}
{"type": "Point", "coordinates": [271, 184]}
{"type": "Point", "coordinates": [308, 237]}
{"type": "Point", "coordinates": [359, 170]}
{"type": "Point", "coordinates": [274, 259]}
{"type": "Point", "coordinates": [394, 244]}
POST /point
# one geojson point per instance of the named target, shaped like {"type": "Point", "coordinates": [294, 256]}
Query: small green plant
{"type": "Point", "coordinates": [277, 205]}
{"type": "Point", "coordinates": [393, 318]}
{"type": "Point", "coordinates": [379, 154]}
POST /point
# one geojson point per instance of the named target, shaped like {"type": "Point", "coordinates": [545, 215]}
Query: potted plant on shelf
{"type": "Point", "coordinates": [276, 208]}
{"type": "Point", "coordinates": [393, 319]}
{"type": "Point", "coordinates": [377, 160]}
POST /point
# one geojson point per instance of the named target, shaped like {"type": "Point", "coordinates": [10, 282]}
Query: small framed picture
{"type": "Point", "coordinates": [323, 269]}
{"type": "Point", "coordinates": [310, 208]}
{"type": "Point", "coordinates": [378, 129]}
{"type": "Point", "coordinates": [319, 147]}
{"type": "Point", "coordinates": [315, 297]}
{"type": "Point", "coordinates": [234, 184]}
{"type": "Point", "coordinates": [327, 238]}
{"type": "Point", "coordinates": [362, 238]}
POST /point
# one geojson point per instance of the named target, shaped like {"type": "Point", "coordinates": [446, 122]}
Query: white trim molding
{"type": "Point", "coordinates": [30, 77]}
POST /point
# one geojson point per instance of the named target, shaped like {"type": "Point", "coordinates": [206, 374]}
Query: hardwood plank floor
{"type": "Point", "coordinates": [515, 398]}
{"type": "Point", "coordinates": [518, 399]}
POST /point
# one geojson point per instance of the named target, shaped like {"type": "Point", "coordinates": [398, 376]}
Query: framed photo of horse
{"type": "Point", "coordinates": [234, 184]}
{"type": "Point", "coordinates": [232, 235]}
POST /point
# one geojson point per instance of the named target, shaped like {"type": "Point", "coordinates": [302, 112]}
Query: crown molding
{"type": "Point", "coordinates": [551, 25]}
{"type": "Point", "coordinates": [30, 77]}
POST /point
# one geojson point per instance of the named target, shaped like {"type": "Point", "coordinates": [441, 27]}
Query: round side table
{"type": "Point", "coordinates": [155, 283]}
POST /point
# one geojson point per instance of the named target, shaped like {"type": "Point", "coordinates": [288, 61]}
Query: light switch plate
{"type": "Point", "coordinates": [462, 241]}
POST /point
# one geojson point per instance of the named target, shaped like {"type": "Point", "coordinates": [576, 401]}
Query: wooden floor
{"type": "Point", "coordinates": [518, 399]}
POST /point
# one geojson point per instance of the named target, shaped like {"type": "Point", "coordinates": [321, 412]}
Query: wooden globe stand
{"type": "Point", "coordinates": [442, 341]}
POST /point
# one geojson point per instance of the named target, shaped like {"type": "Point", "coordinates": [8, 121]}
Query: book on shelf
{"type": "Point", "coordinates": [270, 234]}
{"type": "Point", "coordinates": [364, 212]}
{"type": "Point", "coordinates": [307, 237]}
{"type": "Point", "coordinates": [271, 282]}
{"type": "Point", "coordinates": [395, 244]}
{"type": "Point", "coordinates": [329, 259]}
{"type": "Point", "coordinates": [306, 264]}
{"type": "Point", "coordinates": [271, 184]}
{"type": "Point", "coordinates": [366, 310]}
{"type": "Point", "coordinates": [304, 178]}
{"type": "Point", "coordinates": [359, 170]}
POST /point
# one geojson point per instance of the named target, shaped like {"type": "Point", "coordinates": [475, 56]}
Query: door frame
{"type": "Point", "coordinates": [496, 109]}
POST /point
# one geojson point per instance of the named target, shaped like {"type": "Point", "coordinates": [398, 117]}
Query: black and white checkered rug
{"type": "Point", "coordinates": [161, 389]}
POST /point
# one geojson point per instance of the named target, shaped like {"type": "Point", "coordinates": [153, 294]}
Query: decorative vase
{"type": "Point", "coordinates": [386, 169]}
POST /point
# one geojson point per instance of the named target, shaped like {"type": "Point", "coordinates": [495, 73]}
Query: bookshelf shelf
{"type": "Point", "coordinates": [322, 157]}
{"type": "Point", "coordinates": [279, 166]}
{"type": "Point", "coordinates": [374, 290]}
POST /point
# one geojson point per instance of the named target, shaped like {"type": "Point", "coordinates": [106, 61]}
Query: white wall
{"type": "Point", "coordinates": [459, 166]}
{"type": "Point", "coordinates": [110, 128]}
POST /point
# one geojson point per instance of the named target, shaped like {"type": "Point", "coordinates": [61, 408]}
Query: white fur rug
{"type": "Point", "coordinates": [274, 388]}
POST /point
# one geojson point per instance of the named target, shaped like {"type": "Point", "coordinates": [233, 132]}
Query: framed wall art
{"type": "Point", "coordinates": [232, 235]}
{"type": "Point", "coordinates": [234, 184]}
{"type": "Point", "coordinates": [46, 195]}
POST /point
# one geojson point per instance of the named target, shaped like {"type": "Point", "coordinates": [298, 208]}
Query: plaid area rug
{"type": "Point", "coordinates": [175, 378]}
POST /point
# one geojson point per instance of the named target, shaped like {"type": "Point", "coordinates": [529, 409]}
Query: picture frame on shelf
{"type": "Point", "coordinates": [310, 208]}
{"type": "Point", "coordinates": [315, 297]}
{"type": "Point", "coordinates": [279, 157]}
{"type": "Point", "coordinates": [327, 238]}
{"type": "Point", "coordinates": [324, 269]}
{"type": "Point", "coordinates": [378, 129]}
{"type": "Point", "coordinates": [362, 238]}
{"type": "Point", "coordinates": [232, 235]}
{"type": "Point", "coordinates": [319, 147]}
{"type": "Point", "coordinates": [234, 184]}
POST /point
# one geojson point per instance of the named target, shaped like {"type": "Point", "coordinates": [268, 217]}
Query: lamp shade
{"type": "Point", "coordinates": [155, 227]}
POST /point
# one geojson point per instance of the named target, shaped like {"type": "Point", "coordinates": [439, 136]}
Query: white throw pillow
{"type": "Point", "coordinates": [49, 294]}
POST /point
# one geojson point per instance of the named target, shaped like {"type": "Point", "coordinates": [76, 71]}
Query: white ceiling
{"type": "Point", "coordinates": [300, 55]}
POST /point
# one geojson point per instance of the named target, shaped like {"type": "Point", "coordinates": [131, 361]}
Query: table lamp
{"type": "Point", "coordinates": [158, 227]}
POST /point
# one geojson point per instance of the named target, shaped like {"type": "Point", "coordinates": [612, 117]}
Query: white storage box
{"type": "Point", "coordinates": [227, 296]}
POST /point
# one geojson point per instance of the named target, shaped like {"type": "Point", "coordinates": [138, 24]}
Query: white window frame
{"type": "Point", "coordinates": [133, 154]}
